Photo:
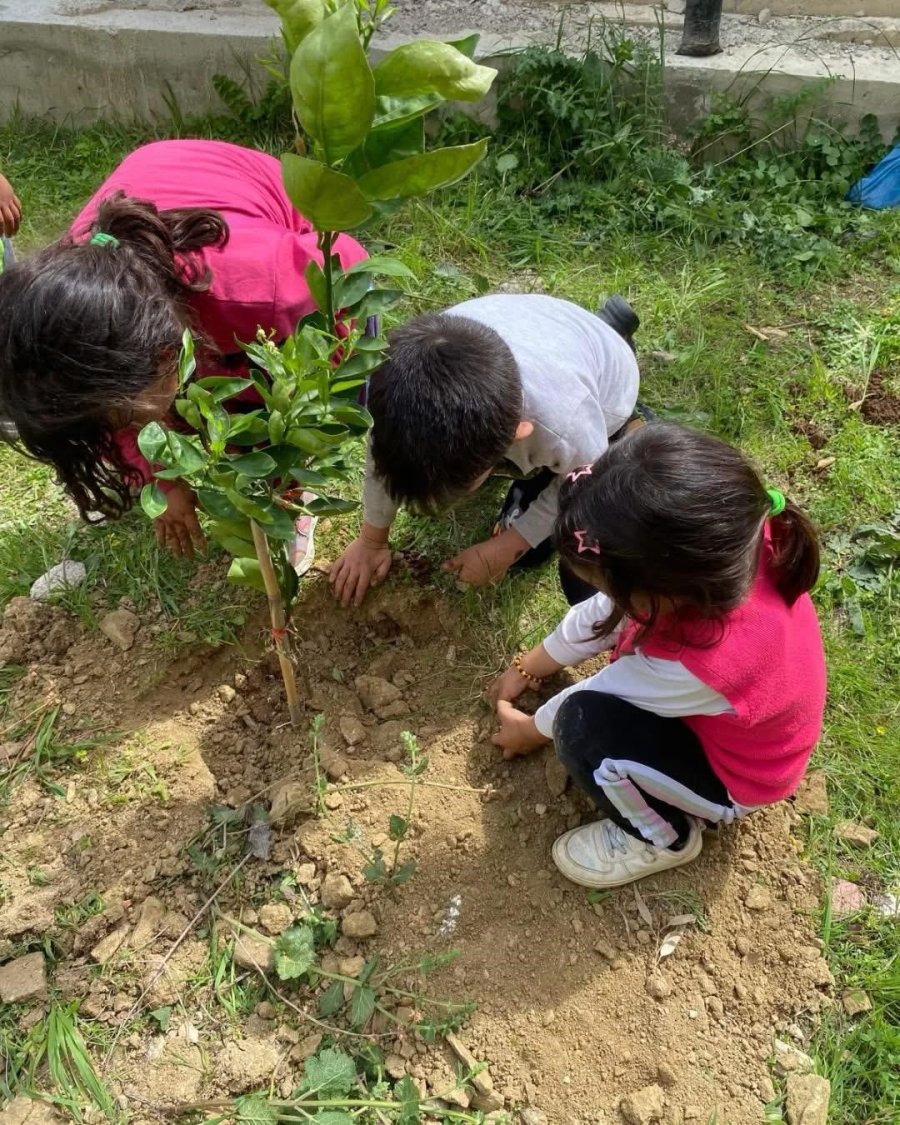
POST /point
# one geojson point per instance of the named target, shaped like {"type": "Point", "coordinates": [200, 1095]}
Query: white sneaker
{"type": "Point", "coordinates": [601, 854]}
{"type": "Point", "coordinates": [303, 548]}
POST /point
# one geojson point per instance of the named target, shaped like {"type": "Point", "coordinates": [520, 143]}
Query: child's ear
{"type": "Point", "coordinates": [524, 430]}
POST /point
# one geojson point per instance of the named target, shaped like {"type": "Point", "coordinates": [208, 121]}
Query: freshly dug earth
{"type": "Point", "coordinates": [575, 1010]}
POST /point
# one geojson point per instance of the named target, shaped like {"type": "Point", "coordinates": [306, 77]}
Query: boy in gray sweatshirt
{"type": "Point", "coordinates": [533, 384]}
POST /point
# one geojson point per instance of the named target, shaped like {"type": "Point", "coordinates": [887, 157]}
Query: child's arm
{"type": "Point", "coordinates": [367, 560]}
{"type": "Point", "coordinates": [10, 209]}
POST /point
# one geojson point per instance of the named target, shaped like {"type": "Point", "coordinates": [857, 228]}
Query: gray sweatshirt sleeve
{"type": "Point", "coordinates": [378, 507]}
{"type": "Point", "coordinates": [586, 441]}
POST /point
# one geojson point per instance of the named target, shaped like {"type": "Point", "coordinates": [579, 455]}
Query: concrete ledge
{"type": "Point", "coordinates": [129, 64]}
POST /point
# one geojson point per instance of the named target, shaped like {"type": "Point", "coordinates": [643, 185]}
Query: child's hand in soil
{"type": "Point", "coordinates": [518, 734]}
{"type": "Point", "coordinates": [10, 209]}
{"type": "Point", "coordinates": [483, 563]}
{"type": "Point", "coordinates": [365, 563]}
{"type": "Point", "coordinates": [507, 687]}
{"type": "Point", "coordinates": [177, 528]}
{"type": "Point", "coordinates": [538, 665]}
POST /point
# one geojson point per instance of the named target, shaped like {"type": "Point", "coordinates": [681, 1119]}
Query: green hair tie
{"type": "Point", "coordinates": [778, 501]}
{"type": "Point", "coordinates": [101, 238]}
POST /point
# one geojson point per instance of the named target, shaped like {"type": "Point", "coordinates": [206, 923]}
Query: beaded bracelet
{"type": "Point", "coordinates": [534, 681]}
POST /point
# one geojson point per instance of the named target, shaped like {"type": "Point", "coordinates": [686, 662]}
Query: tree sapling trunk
{"type": "Point", "coordinates": [279, 622]}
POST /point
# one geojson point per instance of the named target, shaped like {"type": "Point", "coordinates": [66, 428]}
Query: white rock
{"type": "Point", "coordinates": [66, 575]}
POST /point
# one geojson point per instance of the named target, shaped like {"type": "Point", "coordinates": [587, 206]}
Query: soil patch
{"type": "Point", "coordinates": [880, 406]}
{"type": "Point", "coordinates": [576, 1006]}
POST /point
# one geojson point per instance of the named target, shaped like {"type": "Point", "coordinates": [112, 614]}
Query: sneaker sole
{"type": "Point", "coordinates": [575, 873]}
{"type": "Point", "coordinates": [302, 564]}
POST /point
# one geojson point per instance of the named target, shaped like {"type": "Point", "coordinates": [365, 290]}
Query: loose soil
{"type": "Point", "coordinates": [880, 405]}
{"type": "Point", "coordinates": [574, 1009]}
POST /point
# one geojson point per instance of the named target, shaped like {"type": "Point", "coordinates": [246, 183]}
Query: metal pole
{"type": "Point", "coordinates": [700, 36]}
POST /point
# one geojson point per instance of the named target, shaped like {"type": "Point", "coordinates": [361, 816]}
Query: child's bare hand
{"type": "Point", "coordinates": [10, 209]}
{"type": "Point", "coordinates": [362, 565]}
{"type": "Point", "coordinates": [507, 687]}
{"type": "Point", "coordinates": [518, 735]}
{"type": "Point", "coordinates": [483, 563]}
{"type": "Point", "coordinates": [177, 528]}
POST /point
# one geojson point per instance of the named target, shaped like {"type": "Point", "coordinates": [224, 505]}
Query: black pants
{"type": "Point", "coordinates": [646, 773]}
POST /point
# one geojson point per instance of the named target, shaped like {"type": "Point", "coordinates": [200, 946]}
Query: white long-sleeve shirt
{"type": "Point", "coordinates": [579, 384]}
{"type": "Point", "coordinates": [664, 687]}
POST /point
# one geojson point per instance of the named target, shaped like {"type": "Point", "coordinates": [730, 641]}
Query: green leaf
{"type": "Point", "coordinates": [247, 507]}
{"type": "Point", "coordinates": [362, 1006]}
{"type": "Point", "coordinates": [331, 506]}
{"type": "Point", "coordinates": [257, 464]}
{"type": "Point", "coordinates": [397, 828]}
{"type": "Point", "coordinates": [246, 572]}
{"type": "Point", "coordinates": [153, 500]}
{"type": "Point", "coordinates": [152, 441]}
{"type": "Point", "coordinates": [295, 953]}
{"type": "Point", "coordinates": [392, 141]}
{"type": "Point", "coordinates": [429, 67]}
{"type": "Point", "coordinates": [333, 1117]}
{"type": "Point", "coordinates": [189, 412]}
{"type": "Point", "coordinates": [350, 289]}
{"type": "Point", "coordinates": [315, 279]}
{"type": "Point", "coordinates": [332, 85]}
{"type": "Point", "coordinates": [508, 162]}
{"type": "Point", "coordinates": [255, 1109]}
{"type": "Point", "coordinates": [467, 46]}
{"type": "Point", "coordinates": [329, 1074]}
{"type": "Point", "coordinates": [223, 387]}
{"type": "Point", "coordinates": [397, 110]}
{"type": "Point", "coordinates": [420, 174]}
{"type": "Point", "coordinates": [217, 505]}
{"type": "Point", "coordinates": [380, 265]}
{"type": "Point", "coordinates": [329, 199]}
{"type": "Point", "coordinates": [332, 1000]}
{"type": "Point", "coordinates": [161, 1016]}
{"type": "Point", "coordinates": [248, 429]}
{"type": "Point", "coordinates": [187, 364]}
{"type": "Point", "coordinates": [403, 873]}
{"type": "Point", "coordinates": [298, 18]}
{"type": "Point", "coordinates": [407, 1094]}
{"type": "Point", "coordinates": [187, 452]}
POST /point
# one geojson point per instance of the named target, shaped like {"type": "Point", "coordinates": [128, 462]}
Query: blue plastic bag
{"type": "Point", "coordinates": [7, 257]}
{"type": "Point", "coordinates": [881, 188]}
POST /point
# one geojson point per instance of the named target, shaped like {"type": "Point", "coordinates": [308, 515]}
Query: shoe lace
{"type": "Point", "coordinates": [616, 838]}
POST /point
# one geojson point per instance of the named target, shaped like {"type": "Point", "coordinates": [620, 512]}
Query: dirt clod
{"type": "Point", "coordinates": [645, 1107]}
{"type": "Point", "coordinates": [378, 694]}
{"type": "Point", "coordinates": [290, 800]}
{"type": "Point", "coordinates": [856, 1002]}
{"type": "Point", "coordinates": [556, 775]}
{"type": "Point", "coordinates": [352, 730]}
{"type": "Point", "coordinates": [247, 1064]}
{"type": "Point", "coordinates": [275, 917]}
{"type": "Point", "coordinates": [857, 835]}
{"type": "Point", "coordinates": [149, 923]}
{"type": "Point", "coordinates": [253, 951]}
{"type": "Point", "coordinates": [337, 891]}
{"type": "Point", "coordinates": [812, 796]}
{"type": "Point", "coordinates": [23, 979]}
{"type": "Point", "coordinates": [807, 1099]}
{"type": "Point", "coordinates": [532, 1116]}
{"type": "Point", "coordinates": [27, 1111]}
{"type": "Point", "coordinates": [358, 925]}
{"type": "Point", "coordinates": [758, 898]}
{"type": "Point", "coordinates": [791, 1060]}
{"type": "Point", "coordinates": [121, 626]}
{"type": "Point", "coordinates": [658, 986]}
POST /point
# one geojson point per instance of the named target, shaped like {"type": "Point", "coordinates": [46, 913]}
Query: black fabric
{"type": "Point", "coordinates": [591, 726]}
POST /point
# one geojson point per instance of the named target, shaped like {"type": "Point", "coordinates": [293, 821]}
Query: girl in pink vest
{"type": "Point", "coordinates": [184, 233]}
{"type": "Point", "coordinates": [713, 697]}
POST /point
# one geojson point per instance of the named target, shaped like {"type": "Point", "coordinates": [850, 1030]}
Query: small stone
{"type": "Point", "coordinates": [290, 799]}
{"type": "Point", "coordinates": [540, 810]}
{"type": "Point", "coordinates": [306, 874]}
{"type": "Point", "coordinates": [556, 775]}
{"type": "Point", "coordinates": [691, 1112]}
{"type": "Point", "coordinates": [359, 925]}
{"type": "Point", "coordinates": [275, 917]}
{"type": "Point", "coordinates": [67, 575]}
{"type": "Point", "coordinates": [491, 1102]}
{"type": "Point", "coordinates": [306, 1048]}
{"type": "Point", "coordinates": [666, 1076]}
{"type": "Point", "coordinates": [248, 1063]}
{"type": "Point", "coordinates": [658, 986]}
{"type": "Point", "coordinates": [857, 835]}
{"type": "Point", "coordinates": [337, 891]}
{"type": "Point", "coordinates": [846, 898]}
{"type": "Point", "coordinates": [606, 951]}
{"type": "Point", "coordinates": [532, 1116]}
{"type": "Point", "coordinates": [149, 923]}
{"type": "Point", "coordinates": [791, 1060]}
{"type": "Point", "coordinates": [109, 946]}
{"type": "Point", "coordinates": [26, 1111]}
{"type": "Point", "coordinates": [351, 966]}
{"type": "Point", "coordinates": [807, 1099]}
{"type": "Point", "coordinates": [767, 1090]}
{"type": "Point", "coordinates": [856, 1002]}
{"type": "Point", "coordinates": [120, 627]}
{"type": "Point", "coordinates": [377, 694]}
{"type": "Point", "coordinates": [265, 1010]}
{"type": "Point", "coordinates": [758, 898]}
{"type": "Point", "coordinates": [812, 796]}
{"type": "Point", "coordinates": [335, 765]}
{"type": "Point", "coordinates": [765, 14]}
{"type": "Point", "coordinates": [395, 1065]}
{"type": "Point", "coordinates": [23, 979]}
{"type": "Point", "coordinates": [742, 945]}
{"type": "Point", "coordinates": [253, 952]}
{"type": "Point", "coordinates": [333, 801]}
{"type": "Point", "coordinates": [645, 1107]}
{"type": "Point", "coordinates": [227, 693]}
{"type": "Point", "coordinates": [352, 730]}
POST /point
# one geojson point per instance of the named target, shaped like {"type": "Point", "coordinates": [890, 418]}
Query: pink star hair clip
{"type": "Point", "coordinates": [577, 474]}
{"type": "Point", "coordinates": [586, 548]}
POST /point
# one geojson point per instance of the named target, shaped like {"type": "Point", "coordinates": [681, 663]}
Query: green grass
{"type": "Point", "coordinates": [694, 297]}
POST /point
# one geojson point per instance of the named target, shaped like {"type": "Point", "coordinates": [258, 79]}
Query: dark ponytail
{"type": "Point", "coordinates": [795, 548]}
{"type": "Point", "coordinates": [86, 329]}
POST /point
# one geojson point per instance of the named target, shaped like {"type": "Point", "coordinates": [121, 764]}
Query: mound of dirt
{"type": "Point", "coordinates": [582, 1000]}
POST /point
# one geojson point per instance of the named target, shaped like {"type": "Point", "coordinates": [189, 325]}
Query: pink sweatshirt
{"type": "Point", "coordinates": [765, 658]}
{"type": "Point", "coordinates": [258, 277]}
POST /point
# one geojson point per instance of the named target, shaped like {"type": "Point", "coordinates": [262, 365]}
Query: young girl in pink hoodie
{"type": "Point", "coordinates": [713, 698]}
{"type": "Point", "coordinates": [184, 233]}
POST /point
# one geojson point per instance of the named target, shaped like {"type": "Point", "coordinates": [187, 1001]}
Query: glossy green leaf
{"type": "Point", "coordinates": [380, 265]}
{"type": "Point", "coordinates": [468, 45]}
{"type": "Point", "coordinates": [152, 441]}
{"type": "Point", "coordinates": [279, 523]}
{"type": "Point", "coordinates": [223, 387]}
{"type": "Point", "coordinates": [348, 289]}
{"type": "Point", "coordinates": [315, 279]}
{"type": "Point", "coordinates": [187, 452]}
{"type": "Point", "coordinates": [329, 199]}
{"type": "Point", "coordinates": [217, 505]}
{"type": "Point", "coordinates": [247, 507]}
{"type": "Point", "coordinates": [256, 464]}
{"type": "Point", "coordinates": [397, 110]}
{"type": "Point", "coordinates": [430, 67]}
{"type": "Point", "coordinates": [248, 429]}
{"type": "Point", "coordinates": [391, 141]}
{"type": "Point", "coordinates": [332, 85]}
{"type": "Point", "coordinates": [187, 363]}
{"type": "Point", "coordinates": [246, 572]}
{"type": "Point", "coordinates": [298, 18]}
{"type": "Point", "coordinates": [418, 175]}
{"type": "Point", "coordinates": [153, 500]}
{"type": "Point", "coordinates": [189, 412]}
